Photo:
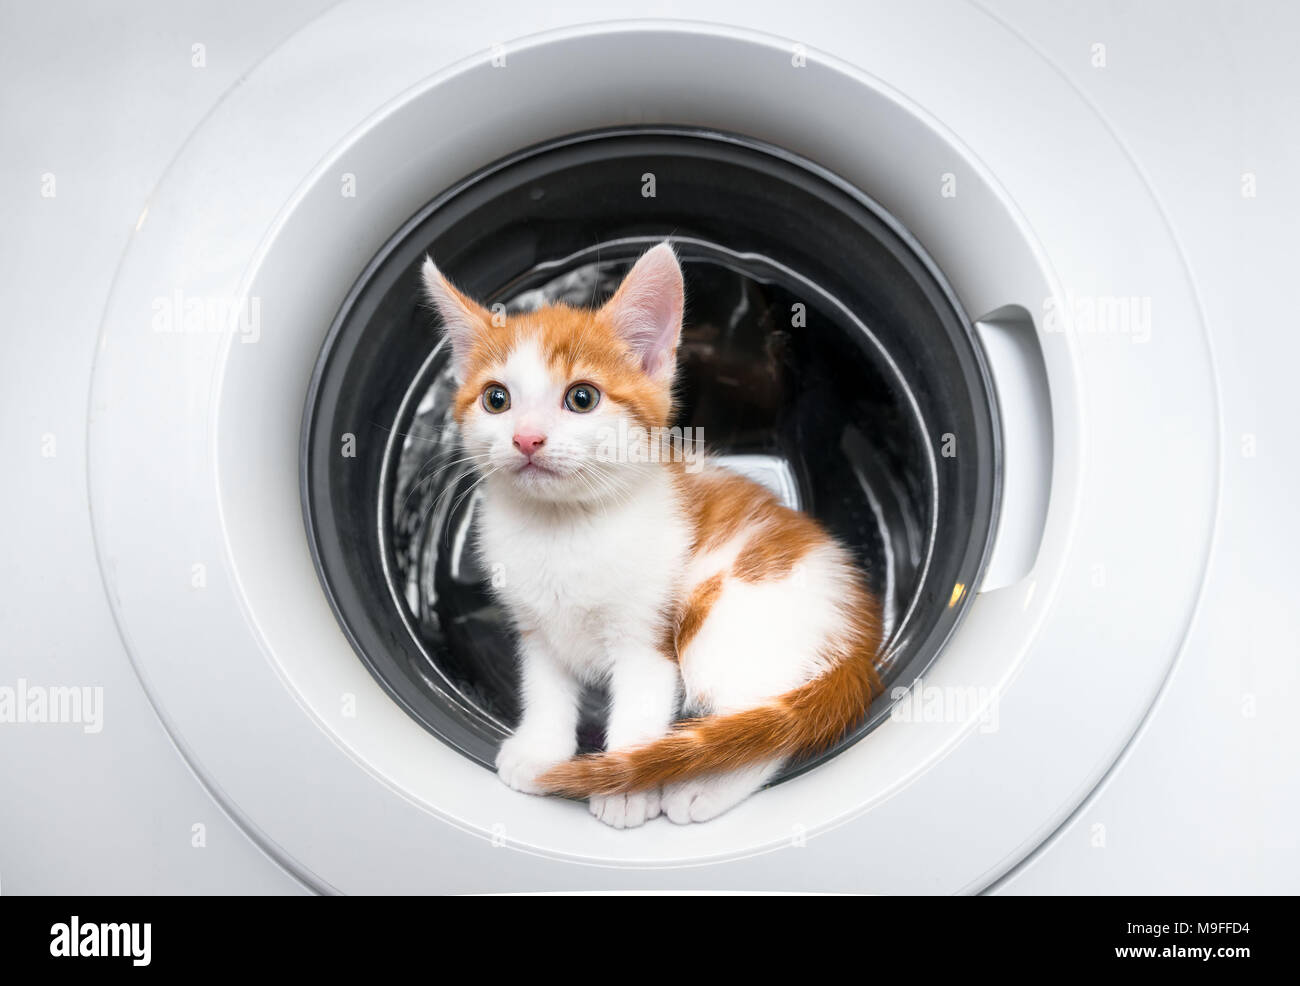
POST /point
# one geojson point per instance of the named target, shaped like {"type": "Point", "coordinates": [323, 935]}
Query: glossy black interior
{"type": "Point", "coordinates": [822, 353]}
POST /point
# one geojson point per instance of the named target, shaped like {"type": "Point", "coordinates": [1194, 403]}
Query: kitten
{"type": "Point", "coordinates": [678, 589]}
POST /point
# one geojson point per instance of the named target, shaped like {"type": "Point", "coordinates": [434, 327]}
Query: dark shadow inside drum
{"type": "Point", "coordinates": [822, 355]}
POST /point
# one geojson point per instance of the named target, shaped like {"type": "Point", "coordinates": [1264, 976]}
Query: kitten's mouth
{"type": "Point", "coordinates": [532, 468]}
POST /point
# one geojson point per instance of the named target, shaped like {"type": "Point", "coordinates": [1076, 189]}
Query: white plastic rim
{"type": "Point", "coordinates": [193, 438]}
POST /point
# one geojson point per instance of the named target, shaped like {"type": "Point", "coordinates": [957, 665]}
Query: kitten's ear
{"type": "Point", "coordinates": [646, 310]}
{"type": "Point", "coordinates": [462, 319]}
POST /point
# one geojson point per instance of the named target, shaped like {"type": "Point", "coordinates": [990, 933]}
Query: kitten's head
{"type": "Point", "coordinates": [552, 401]}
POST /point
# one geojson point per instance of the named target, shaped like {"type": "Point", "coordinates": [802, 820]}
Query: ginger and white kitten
{"type": "Point", "coordinates": [678, 589]}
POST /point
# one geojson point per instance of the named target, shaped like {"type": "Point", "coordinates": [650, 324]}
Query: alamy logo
{"type": "Point", "coordinates": [1104, 315]}
{"type": "Point", "coordinates": [106, 940]}
{"type": "Point", "coordinates": [27, 703]}
{"type": "Point", "coordinates": [179, 312]}
{"type": "Point", "coordinates": [935, 704]}
{"type": "Point", "coordinates": [634, 443]}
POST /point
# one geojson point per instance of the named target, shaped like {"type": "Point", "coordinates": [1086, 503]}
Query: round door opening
{"type": "Point", "coordinates": [822, 354]}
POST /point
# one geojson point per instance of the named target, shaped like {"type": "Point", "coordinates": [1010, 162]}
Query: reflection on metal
{"type": "Point", "coordinates": [770, 471]}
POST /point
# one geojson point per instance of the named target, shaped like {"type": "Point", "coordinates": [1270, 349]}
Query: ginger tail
{"type": "Point", "coordinates": [804, 721]}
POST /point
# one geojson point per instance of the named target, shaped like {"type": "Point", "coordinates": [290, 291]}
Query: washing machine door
{"type": "Point", "coordinates": [1046, 236]}
{"type": "Point", "coordinates": [838, 370]}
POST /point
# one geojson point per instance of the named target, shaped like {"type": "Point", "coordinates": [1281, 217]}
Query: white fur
{"type": "Point", "coordinates": [590, 556]}
{"type": "Point", "coordinates": [780, 627]}
{"type": "Point", "coordinates": [588, 584]}
{"type": "Point", "coordinates": [587, 580]}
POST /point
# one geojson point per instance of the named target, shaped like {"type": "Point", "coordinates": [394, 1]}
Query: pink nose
{"type": "Point", "coordinates": [528, 444]}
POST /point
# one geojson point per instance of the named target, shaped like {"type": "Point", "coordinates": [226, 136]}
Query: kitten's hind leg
{"type": "Point", "coordinates": [704, 798]}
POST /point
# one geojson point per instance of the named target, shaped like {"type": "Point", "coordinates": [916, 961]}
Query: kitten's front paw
{"type": "Point", "coordinates": [521, 760]}
{"type": "Point", "coordinates": [626, 811]}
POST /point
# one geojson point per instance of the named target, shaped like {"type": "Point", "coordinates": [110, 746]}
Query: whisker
{"type": "Point", "coordinates": [438, 472]}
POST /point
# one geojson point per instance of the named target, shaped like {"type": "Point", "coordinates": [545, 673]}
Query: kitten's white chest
{"type": "Point", "coordinates": [585, 580]}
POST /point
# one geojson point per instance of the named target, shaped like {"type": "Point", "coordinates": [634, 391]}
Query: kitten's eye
{"type": "Point", "coordinates": [582, 397]}
{"type": "Point", "coordinates": [495, 398]}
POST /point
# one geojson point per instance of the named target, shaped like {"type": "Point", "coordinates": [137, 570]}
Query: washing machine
{"type": "Point", "coordinates": [988, 288]}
